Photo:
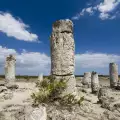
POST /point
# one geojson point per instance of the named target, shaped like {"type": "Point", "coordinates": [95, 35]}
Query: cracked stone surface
{"type": "Point", "coordinates": [10, 69]}
{"type": "Point", "coordinates": [95, 82]}
{"type": "Point", "coordinates": [62, 48]}
{"type": "Point", "coordinates": [113, 69]}
{"type": "Point", "coordinates": [62, 53]}
{"type": "Point", "coordinates": [87, 79]}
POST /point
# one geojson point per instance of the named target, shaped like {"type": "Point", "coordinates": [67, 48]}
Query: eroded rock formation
{"type": "Point", "coordinates": [40, 78]}
{"type": "Point", "coordinates": [62, 53]}
{"type": "Point", "coordinates": [10, 69]}
{"type": "Point", "coordinates": [113, 69]}
{"type": "Point", "coordinates": [95, 82]}
{"type": "Point", "coordinates": [87, 79]}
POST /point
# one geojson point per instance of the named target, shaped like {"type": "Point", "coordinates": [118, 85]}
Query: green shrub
{"type": "Point", "coordinates": [48, 91]}
{"type": "Point", "coordinates": [42, 84]}
{"type": "Point", "coordinates": [70, 100]}
{"type": "Point", "coordinates": [51, 90]}
{"type": "Point", "coordinates": [40, 97]}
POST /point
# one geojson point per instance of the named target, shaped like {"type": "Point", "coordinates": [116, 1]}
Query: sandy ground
{"type": "Point", "coordinates": [22, 97]}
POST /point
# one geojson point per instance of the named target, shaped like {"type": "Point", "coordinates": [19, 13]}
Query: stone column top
{"type": "Point", "coordinates": [94, 73]}
{"type": "Point", "coordinates": [113, 63]}
{"type": "Point", "coordinates": [87, 73]}
{"type": "Point", "coordinates": [10, 58]}
{"type": "Point", "coordinates": [63, 26]}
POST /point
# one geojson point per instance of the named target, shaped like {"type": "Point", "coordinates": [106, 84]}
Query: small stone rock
{"type": "Point", "coordinates": [8, 95]}
{"type": "Point", "coordinates": [2, 89]}
{"type": "Point", "coordinates": [38, 114]}
{"type": "Point", "coordinates": [2, 83]}
{"type": "Point", "coordinates": [118, 86]}
{"type": "Point", "coordinates": [79, 84]}
{"type": "Point", "coordinates": [102, 94]}
{"type": "Point", "coordinates": [12, 86]}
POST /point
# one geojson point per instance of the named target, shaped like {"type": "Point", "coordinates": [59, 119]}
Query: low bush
{"type": "Point", "coordinates": [48, 91]}
{"type": "Point", "coordinates": [70, 100]}
{"type": "Point", "coordinates": [51, 90]}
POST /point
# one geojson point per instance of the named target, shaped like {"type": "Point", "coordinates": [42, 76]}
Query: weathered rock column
{"type": "Point", "coordinates": [87, 79]}
{"type": "Point", "coordinates": [40, 78]}
{"type": "Point", "coordinates": [10, 69]}
{"type": "Point", "coordinates": [95, 82]}
{"type": "Point", "coordinates": [113, 69]}
{"type": "Point", "coordinates": [62, 54]}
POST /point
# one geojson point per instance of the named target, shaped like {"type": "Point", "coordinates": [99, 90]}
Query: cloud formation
{"type": "Point", "coordinates": [105, 10]}
{"type": "Point", "coordinates": [33, 63]}
{"type": "Point", "coordinates": [13, 27]}
{"type": "Point", "coordinates": [96, 60]}
{"type": "Point", "coordinates": [27, 63]}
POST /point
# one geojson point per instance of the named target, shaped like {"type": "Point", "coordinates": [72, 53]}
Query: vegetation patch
{"type": "Point", "coordinates": [48, 91]}
{"type": "Point", "coordinates": [51, 91]}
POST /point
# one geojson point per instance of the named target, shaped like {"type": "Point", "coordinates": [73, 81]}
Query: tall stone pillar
{"type": "Point", "coordinates": [87, 79]}
{"type": "Point", "coordinates": [95, 85]}
{"type": "Point", "coordinates": [62, 54]}
{"type": "Point", "coordinates": [40, 78]}
{"type": "Point", "coordinates": [10, 69]}
{"type": "Point", "coordinates": [113, 69]}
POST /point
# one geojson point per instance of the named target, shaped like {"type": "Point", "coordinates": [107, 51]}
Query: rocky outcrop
{"type": "Point", "coordinates": [12, 86]}
{"type": "Point", "coordinates": [38, 114]}
{"type": "Point", "coordinates": [2, 89]}
{"type": "Point", "coordinates": [109, 99]}
{"type": "Point", "coordinates": [20, 112]}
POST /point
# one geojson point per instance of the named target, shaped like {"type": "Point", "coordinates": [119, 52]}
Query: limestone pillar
{"type": "Point", "coordinates": [62, 53]}
{"type": "Point", "coordinates": [10, 69]}
{"type": "Point", "coordinates": [87, 79]}
{"type": "Point", "coordinates": [40, 77]}
{"type": "Point", "coordinates": [95, 82]}
{"type": "Point", "coordinates": [113, 69]}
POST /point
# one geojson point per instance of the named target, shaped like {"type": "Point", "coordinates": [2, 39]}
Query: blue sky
{"type": "Point", "coordinates": [26, 25]}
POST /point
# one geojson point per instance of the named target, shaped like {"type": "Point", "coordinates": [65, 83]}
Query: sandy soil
{"type": "Point", "coordinates": [22, 97]}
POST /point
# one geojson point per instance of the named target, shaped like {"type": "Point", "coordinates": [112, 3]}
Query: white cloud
{"type": "Point", "coordinates": [105, 10]}
{"type": "Point", "coordinates": [15, 28]}
{"type": "Point", "coordinates": [89, 10]}
{"type": "Point", "coordinates": [95, 60]}
{"type": "Point", "coordinates": [104, 16]}
{"type": "Point", "coordinates": [76, 17]}
{"type": "Point", "coordinates": [33, 63]}
{"type": "Point", "coordinates": [82, 12]}
{"type": "Point", "coordinates": [98, 62]}
{"type": "Point", "coordinates": [28, 63]}
{"type": "Point", "coordinates": [108, 5]}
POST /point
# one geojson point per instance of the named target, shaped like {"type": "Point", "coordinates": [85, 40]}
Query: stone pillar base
{"type": "Point", "coordinates": [70, 82]}
{"type": "Point", "coordinates": [95, 88]}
